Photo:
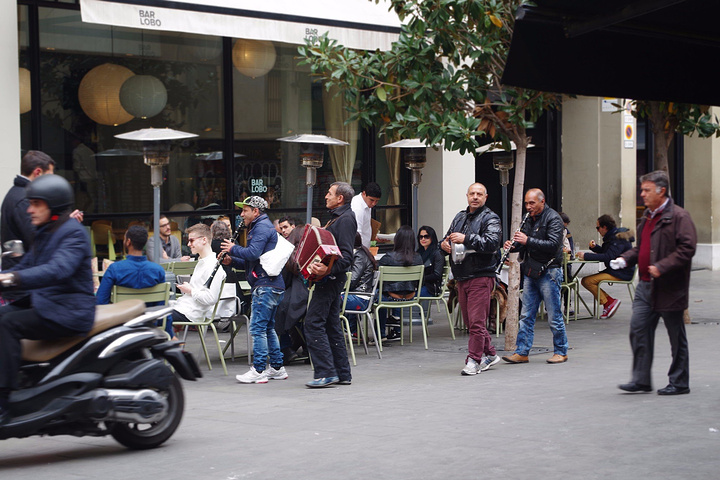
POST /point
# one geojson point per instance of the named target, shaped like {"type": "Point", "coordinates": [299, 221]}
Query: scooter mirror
{"type": "Point", "coordinates": [13, 248]}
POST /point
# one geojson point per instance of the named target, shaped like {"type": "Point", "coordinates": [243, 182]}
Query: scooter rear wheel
{"type": "Point", "coordinates": [142, 436]}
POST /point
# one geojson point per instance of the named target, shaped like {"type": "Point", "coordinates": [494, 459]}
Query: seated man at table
{"type": "Point", "coordinates": [136, 271]}
{"type": "Point", "coordinates": [170, 250]}
{"type": "Point", "coordinates": [615, 242]}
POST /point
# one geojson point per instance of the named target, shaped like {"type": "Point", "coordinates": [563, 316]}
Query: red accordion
{"type": "Point", "coordinates": [316, 245]}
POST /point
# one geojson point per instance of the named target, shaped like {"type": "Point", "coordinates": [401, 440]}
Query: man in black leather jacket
{"type": "Point", "coordinates": [540, 245]}
{"type": "Point", "coordinates": [477, 228]}
{"type": "Point", "coordinates": [323, 331]}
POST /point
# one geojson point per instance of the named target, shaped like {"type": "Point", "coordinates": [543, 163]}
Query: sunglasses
{"type": "Point", "coordinates": [423, 236]}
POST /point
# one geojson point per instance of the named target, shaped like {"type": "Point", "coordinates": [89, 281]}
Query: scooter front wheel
{"type": "Point", "coordinates": [142, 436]}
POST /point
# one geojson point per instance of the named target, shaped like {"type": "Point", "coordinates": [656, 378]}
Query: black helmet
{"type": "Point", "coordinates": [54, 189]}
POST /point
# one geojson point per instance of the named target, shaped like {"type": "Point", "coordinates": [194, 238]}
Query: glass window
{"type": "Point", "coordinates": [100, 81]}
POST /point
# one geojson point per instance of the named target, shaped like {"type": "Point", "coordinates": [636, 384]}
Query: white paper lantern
{"type": "Point", "coordinates": [253, 58]}
{"type": "Point", "coordinates": [143, 96]}
{"type": "Point", "coordinates": [99, 94]}
{"type": "Point", "coordinates": [25, 97]}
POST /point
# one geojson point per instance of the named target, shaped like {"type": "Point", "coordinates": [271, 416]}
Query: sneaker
{"type": "Point", "coordinates": [322, 382]}
{"type": "Point", "coordinates": [393, 335]}
{"type": "Point", "coordinates": [279, 374]}
{"type": "Point", "coordinates": [471, 368]}
{"type": "Point", "coordinates": [610, 308]}
{"type": "Point", "coordinates": [253, 376]}
{"type": "Point", "coordinates": [488, 361]}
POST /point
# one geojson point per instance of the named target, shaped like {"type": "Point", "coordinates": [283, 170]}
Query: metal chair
{"type": "Point", "coordinates": [344, 323]}
{"type": "Point", "coordinates": [630, 286]}
{"type": "Point", "coordinates": [183, 268]}
{"type": "Point", "coordinates": [440, 299]}
{"type": "Point", "coordinates": [202, 325]}
{"type": "Point", "coordinates": [401, 274]}
{"type": "Point", "coordinates": [366, 314]}
{"type": "Point", "coordinates": [155, 294]}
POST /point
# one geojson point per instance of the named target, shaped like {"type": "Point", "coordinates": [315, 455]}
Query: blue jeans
{"type": "Point", "coordinates": [354, 303]}
{"type": "Point", "coordinates": [266, 345]}
{"type": "Point", "coordinates": [546, 289]}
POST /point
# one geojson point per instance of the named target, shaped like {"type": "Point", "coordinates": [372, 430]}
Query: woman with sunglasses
{"type": "Point", "coordinates": [433, 259]}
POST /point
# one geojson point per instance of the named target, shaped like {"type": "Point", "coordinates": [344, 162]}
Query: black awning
{"type": "Point", "coordinates": [643, 49]}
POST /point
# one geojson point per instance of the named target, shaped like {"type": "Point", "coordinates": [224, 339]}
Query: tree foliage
{"type": "Point", "coordinates": [441, 82]}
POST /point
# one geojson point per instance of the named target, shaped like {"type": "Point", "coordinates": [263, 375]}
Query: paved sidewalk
{"type": "Point", "coordinates": [412, 415]}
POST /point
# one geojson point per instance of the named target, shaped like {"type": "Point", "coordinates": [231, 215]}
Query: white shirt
{"type": "Point", "coordinates": [362, 216]}
{"type": "Point", "coordinates": [200, 304]}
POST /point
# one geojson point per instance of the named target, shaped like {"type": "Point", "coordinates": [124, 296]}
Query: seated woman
{"type": "Point", "coordinates": [615, 242]}
{"type": "Point", "coordinates": [403, 255]}
{"type": "Point", "coordinates": [434, 260]}
{"type": "Point", "coordinates": [363, 273]}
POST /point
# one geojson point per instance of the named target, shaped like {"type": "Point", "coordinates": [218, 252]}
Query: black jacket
{"type": "Point", "coordinates": [363, 272]}
{"type": "Point", "coordinates": [343, 226]}
{"type": "Point", "coordinates": [14, 220]}
{"type": "Point", "coordinates": [545, 238]}
{"type": "Point", "coordinates": [434, 265]}
{"type": "Point", "coordinates": [483, 234]}
{"type": "Point", "coordinates": [615, 242]}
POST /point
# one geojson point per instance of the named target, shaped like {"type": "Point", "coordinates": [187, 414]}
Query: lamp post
{"type": "Point", "coordinates": [503, 162]}
{"type": "Point", "coordinates": [312, 148]}
{"type": "Point", "coordinates": [414, 152]}
{"type": "Point", "coordinates": [156, 144]}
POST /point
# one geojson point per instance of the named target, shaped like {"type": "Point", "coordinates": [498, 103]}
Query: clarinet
{"type": "Point", "coordinates": [221, 257]}
{"type": "Point", "coordinates": [514, 244]}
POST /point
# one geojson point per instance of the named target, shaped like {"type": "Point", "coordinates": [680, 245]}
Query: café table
{"type": "Point", "coordinates": [573, 276]}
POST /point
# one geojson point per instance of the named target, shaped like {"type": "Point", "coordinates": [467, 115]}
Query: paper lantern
{"type": "Point", "coordinates": [25, 98]}
{"type": "Point", "coordinates": [99, 94]}
{"type": "Point", "coordinates": [253, 58]}
{"type": "Point", "coordinates": [143, 96]}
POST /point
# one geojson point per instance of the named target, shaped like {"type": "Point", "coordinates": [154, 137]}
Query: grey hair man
{"type": "Point", "coordinates": [666, 243]}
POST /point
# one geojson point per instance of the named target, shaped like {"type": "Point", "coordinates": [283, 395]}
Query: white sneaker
{"type": "Point", "coordinates": [472, 368]}
{"type": "Point", "coordinates": [488, 362]}
{"type": "Point", "coordinates": [279, 374]}
{"type": "Point", "coordinates": [252, 376]}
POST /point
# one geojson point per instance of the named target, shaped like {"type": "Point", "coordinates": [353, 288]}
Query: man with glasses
{"type": "Point", "coordinates": [198, 300]}
{"type": "Point", "coordinates": [170, 245]}
{"type": "Point", "coordinates": [615, 242]}
{"type": "Point", "coordinates": [477, 228]}
{"type": "Point", "coordinates": [267, 291]}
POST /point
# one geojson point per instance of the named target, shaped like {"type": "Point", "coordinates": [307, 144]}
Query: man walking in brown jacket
{"type": "Point", "coordinates": [665, 247]}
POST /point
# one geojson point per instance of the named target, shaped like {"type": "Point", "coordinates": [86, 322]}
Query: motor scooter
{"type": "Point", "coordinates": [121, 379]}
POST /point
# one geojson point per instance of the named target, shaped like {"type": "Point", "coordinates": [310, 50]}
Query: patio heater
{"type": "Point", "coordinates": [414, 152]}
{"type": "Point", "coordinates": [156, 143]}
{"type": "Point", "coordinates": [503, 162]}
{"type": "Point", "coordinates": [312, 148]}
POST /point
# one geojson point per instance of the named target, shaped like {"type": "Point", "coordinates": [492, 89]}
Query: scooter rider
{"type": "Point", "coordinates": [56, 273]}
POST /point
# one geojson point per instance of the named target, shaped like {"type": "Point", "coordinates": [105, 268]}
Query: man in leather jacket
{"type": "Point", "coordinates": [477, 228]}
{"type": "Point", "coordinates": [540, 246]}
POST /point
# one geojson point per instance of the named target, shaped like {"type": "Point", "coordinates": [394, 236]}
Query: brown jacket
{"type": "Point", "coordinates": [672, 246]}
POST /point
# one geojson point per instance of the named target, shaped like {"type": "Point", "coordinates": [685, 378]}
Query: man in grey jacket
{"type": "Point", "coordinates": [477, 228]}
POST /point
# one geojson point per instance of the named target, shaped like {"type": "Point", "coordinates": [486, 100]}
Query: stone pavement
{"type": "Point", "coordinates": [412, 415]}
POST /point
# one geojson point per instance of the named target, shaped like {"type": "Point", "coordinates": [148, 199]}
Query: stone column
{"type": "Point", "coordinates": [10, 100]}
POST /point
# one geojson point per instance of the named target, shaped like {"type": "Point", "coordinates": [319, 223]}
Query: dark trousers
{"type": "Point", "coordinates": [323, 332]}
{"type": "Point", "coordinates": [474, 297]}
{"type": "Point", "coordinates": [642, 339]}
{"type": "Point", "coordinates": [18, 322]}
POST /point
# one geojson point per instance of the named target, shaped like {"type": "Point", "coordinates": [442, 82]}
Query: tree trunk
{"type": "Point", "coordinates": [511, 320]}
{"type": "Point", "coordinates": [661, 137]}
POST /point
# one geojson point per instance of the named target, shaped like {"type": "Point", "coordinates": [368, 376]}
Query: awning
{"type": "Point", "coordinates": [353, 23]}
{"type": "Point", "coordinates": [639, 49]}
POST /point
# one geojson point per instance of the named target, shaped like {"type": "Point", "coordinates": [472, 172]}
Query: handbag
{"type": "Point", "coordinates": [274, 260]}
{"type": "Point", "coordinates": [533, 268]}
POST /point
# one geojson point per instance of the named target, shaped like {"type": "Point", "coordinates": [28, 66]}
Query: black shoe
{"type": "Point", "coordinates": [345, 382]}
{"type": "Point", "coordinates": [633, 387]}
{"type": "Point", "coordinates": [4, 416]}
{"type": "Point", "coordinates": [392, 336]}
{"type": "Point", "coordinates": [673, 390]}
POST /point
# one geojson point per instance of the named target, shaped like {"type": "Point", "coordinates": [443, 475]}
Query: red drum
{"type": "Point", "coordinates": [316, 245]}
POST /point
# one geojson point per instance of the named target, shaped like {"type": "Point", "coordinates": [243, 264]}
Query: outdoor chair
{"type": "Point", "coordinates": [204, 323]}
{"type": "Point", "coordinates": [183, 268]}
{"type": "Point", "coordinates": [401, 274]}
{"type": "Point", "coordinates": [572, 289]}
{"type": "Point", "coordinates": [344, 323]}
{"type": "Point", "coordinates": [366, 315]}
{"type": "Point", "coordinates": [440, 299]}
{"type": "Point", "coordinates": [597, 311]}
{"type": "Point", "coordinates": [155, 294]}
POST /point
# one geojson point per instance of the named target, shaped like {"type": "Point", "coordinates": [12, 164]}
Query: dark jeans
{"type": "Point", "coordinates": [18, 322]}
{"type": "Point", "coordinates": [643, 323]}
{"type": "Point", "coordinates": [323, 332]}
{"type": "Point", "coordinates": [474, 298]}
